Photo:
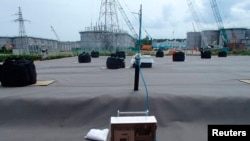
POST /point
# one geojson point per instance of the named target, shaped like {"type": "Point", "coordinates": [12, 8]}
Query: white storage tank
{"type": "Point", "coordinates": [247, 34]}
{"type": "Point", "coordinates": [212, 37]}
{"type": "Point", "coordinates": [193, 40]}
{"type": "Point", "coordinates": [235, 35]}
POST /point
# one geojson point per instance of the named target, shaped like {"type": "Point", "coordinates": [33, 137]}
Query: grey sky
{"type": "Point", "coordinates": [161, 18]}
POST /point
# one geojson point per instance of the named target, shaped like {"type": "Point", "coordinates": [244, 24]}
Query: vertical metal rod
{"type": "Point", "coordinates": [137, 58]}
{"type": "Point", "coordinates": [137, 70]}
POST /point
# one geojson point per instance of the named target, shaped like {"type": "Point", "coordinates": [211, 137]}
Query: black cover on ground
{"type": "Point", "coordinates": [95, 54]}
{"type": "Point", "coordinates": [206, 54]}
{"type": "Point", "coordinates": [115, 63]}
{"type": "Point", "coordinates": [222, 54]}
{"type": "Point", "coordinates": [121, 54]}
{"type": "Point", "coordinates": [184, 98]}
{"type": "Point", "coordinates": [18, 72]}
{"type": "Point", "coordinates": [84, 58]}
{"type": "Point", "coordinates": [178, 57]}
{"type": "Point", "coordinates": [0, 71]}
{"type": "Point", "coordinates": [159, 53]}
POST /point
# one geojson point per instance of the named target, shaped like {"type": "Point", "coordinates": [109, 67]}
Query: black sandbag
{"type": "Point", "coordinates": [113, 55]}
{"type": "Point", "coordinates": [206, 54]}
{"type": "Point", "coordinates": [159, 53]}
{"type": "Point", "coordinates": [84, 58]}
{"type": "Point", "coordinates": [121, 54]}
{"type": "Point", "coordinates": [178, 56]}
{"type": "Point", "coordinates": [94, 54]}
{"type": "Point", "coordinates": [115, 63]}
{"type": "Point", "coordinates": [18, 72]}
{"type": "Point", "coordinates": [222, 54]}
{"type": "Point", "coordinates": [0, 72]}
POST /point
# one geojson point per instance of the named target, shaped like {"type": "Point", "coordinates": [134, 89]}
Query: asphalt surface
{"type": "Point", "coordinates": [184, 97]}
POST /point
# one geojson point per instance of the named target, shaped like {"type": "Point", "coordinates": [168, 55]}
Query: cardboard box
{"type": "Point", "coordinates": [133, 128]}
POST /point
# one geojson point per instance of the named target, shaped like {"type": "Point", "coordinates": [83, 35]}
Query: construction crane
{"type": "Point", "coordinates": [197, 22]}
{"type": "Point", "coordinates": [53, 30]}
{"type": "Point", "coordinates": [194, 27]}
{"type": "Point", "coordinates": [147, 34]}
{"type": "Point", "coordinates": [131, 28]}
{"type": "Point", "coordinates": [219, 22]}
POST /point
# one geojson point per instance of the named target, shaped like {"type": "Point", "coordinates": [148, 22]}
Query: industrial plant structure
{"type": "Point", "coordinates": [106, 35]}
{"type": "Point", "coordinates": [233, 38]}
{"type": "Point", "coordinates": [23, 44]}
{"type": "Point", "coordinates": [34, 45]}
{"type": "Point", "coordinates": [239, 38]}
{"type": "Point", "coordinates": [98, 39]}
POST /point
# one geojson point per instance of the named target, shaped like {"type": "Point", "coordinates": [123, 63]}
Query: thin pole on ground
{"type": "Point", "coordinates": [137, 58]}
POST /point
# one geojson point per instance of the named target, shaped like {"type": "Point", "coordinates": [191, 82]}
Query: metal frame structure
{"type": "Point", "coordinates": [219, 22]}
{"type": "Point", "coordinates": [22, 32]}
{"type": "Point", "coordinates": [108, 19]}
{"type": "Point", "coordinates": [131, 28]}
{"type": "Point", "coordinates": [197, 21]}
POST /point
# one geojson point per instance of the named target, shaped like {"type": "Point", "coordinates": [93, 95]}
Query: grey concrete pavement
{"type": "Point", "coordinates": [184, 96]}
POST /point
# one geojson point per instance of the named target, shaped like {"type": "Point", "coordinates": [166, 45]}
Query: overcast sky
{"type": "Point", "coordinates": [160, 18]}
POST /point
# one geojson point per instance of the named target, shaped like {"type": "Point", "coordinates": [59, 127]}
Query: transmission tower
{"type": "Point", "coordinates": [22, 33]}
{"type": "Point", "coordinates": [108, 18]}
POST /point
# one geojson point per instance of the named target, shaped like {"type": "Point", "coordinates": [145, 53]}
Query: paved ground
{"type": "Point", "coordinates": [184, 96]}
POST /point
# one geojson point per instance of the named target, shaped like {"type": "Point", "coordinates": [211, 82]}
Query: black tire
{"type": "Point", "coordinates": [159, 53]}
{"type": "Point", "coordinates": [95, 54]}
{"type": "Point", "coordinates": [222, 54]}
{"type": "Point", "coordinates": [18, 73]}
{"type": "Point", "coordinates": [84, 58]}
{"type": "Point", "coordinates": [206, 55]}
{"type": "Point", "coordinates": [178, 57]}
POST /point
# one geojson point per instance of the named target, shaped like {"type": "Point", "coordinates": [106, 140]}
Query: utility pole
{"type": "Point", "coordinates": [22, 33]}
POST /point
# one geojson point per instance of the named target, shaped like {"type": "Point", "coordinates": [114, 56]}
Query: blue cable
{"type": "Point", "coordinates": [146, 89]}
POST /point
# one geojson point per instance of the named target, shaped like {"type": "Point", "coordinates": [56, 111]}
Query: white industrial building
{"type": "Point", "coordinates": [97, 39]}
{"type": "Point", "coordinates": [33, 45]}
